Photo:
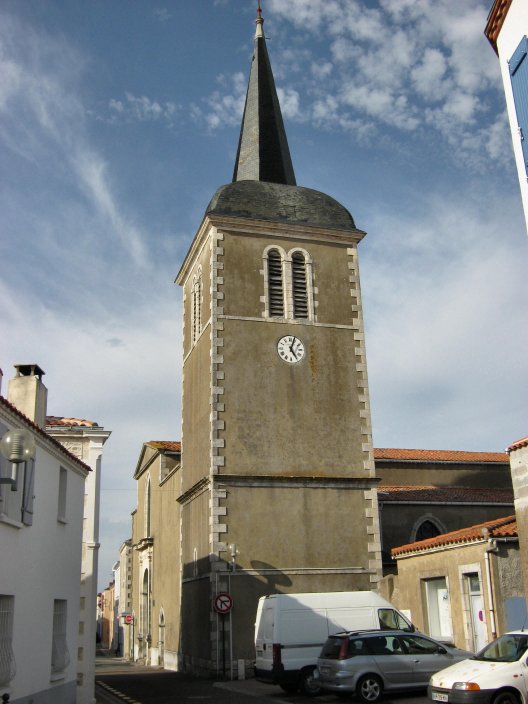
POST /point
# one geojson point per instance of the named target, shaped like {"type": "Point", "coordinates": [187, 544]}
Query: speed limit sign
{"type": "Point", "coordinates": [223, 603]}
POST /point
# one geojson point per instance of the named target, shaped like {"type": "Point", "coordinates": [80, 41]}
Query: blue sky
{"type": "Point", "coordinates": [118, 121]}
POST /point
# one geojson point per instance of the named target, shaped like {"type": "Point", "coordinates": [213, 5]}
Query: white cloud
{"type": "Point", "coordinates": [141, 109]}
{"type": "Point", "coordinates": [162, 14]}
{"type": "Point", "coordinates": [43, 120]}
{"type": "Point", "coordinates": [321, 70]}
{"type": "Point", "coordinates": [428, 76]}
{"type": "Point", "coordinates": [223, 109]}
{"type": "Point", "coordinates": [440, 314]}
{"type": "Point", "coordinates": [289, 102]}
{"type": "Point", "coordinates": [390, 64]}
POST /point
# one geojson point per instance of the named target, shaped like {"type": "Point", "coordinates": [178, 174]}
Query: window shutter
{"type": "Point", "coordinates": [275, 288]}
{"type": "Point", "coordinates": [518, 66]}
{"type": "Point", "coordinates": [7, 658]}
{"type": "Point", "coordinates": [28, 493]}
{"type": "Point", "coordinates": [300, 293]}
{"type": "Point", "coordinates": [60, 657]}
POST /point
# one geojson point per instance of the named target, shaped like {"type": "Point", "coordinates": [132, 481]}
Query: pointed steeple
{"type": "Point", "coordinates": [263, 153]}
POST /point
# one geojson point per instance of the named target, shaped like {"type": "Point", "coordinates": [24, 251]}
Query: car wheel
{"type": "Point", "coordinates": [508, 697]}
{"type": "Point", "coordinates": [370, 688]}
{"type": "Point", "coordinates": [290, 687]}
{"type": "Point", "coordinates": [308, 684]}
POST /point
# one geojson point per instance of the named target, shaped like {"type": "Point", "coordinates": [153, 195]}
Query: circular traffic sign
{"type": "Point", "coordinates": [223, 603]}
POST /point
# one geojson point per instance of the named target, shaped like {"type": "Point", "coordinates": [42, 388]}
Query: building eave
{"type": "Point", "coordinates": [496, 18]}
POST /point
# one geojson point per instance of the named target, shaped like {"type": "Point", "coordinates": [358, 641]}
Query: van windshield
{"type": "Point", "coordinates": [507, 648]}
{"type": "Point", "coordinates": [392, 620]}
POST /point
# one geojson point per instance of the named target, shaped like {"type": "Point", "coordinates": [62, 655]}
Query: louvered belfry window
{"type": "Point", "coordinates": [299, 286]}
{"type": "Point", "coordinates": [275, 284]}
{"type": "Point", "coordinates": [7, 659]}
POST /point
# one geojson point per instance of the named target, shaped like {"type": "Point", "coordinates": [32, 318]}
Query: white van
{"type": "Point", "coordinates": [290, 631]}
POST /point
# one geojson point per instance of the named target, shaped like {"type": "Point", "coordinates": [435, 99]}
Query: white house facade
{"type": "Point", "coordinates": [85, 440]}
{"type": "Point", "coordinates": [507, 31]}
{"type": "Point", "coordinates": [41, 525]}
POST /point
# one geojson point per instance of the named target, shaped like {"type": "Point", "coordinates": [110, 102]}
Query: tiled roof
{"type": "Point", "coordinates": [36, 429]}
{"type": "Point", "coordinates": [444, 494]}
{"type": "Point", "coordinates": [518, 444]}
{"type": "Point", "coordinates": [170, 445]}
{"type": "Point", "coordinates": [498, 528]}
{"type": "Point", "coordinates": [458, 456]}
{"type": "Point", "coordinates": [54, 421]}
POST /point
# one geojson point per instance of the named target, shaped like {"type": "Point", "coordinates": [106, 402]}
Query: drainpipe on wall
{"type": "Point", "coordinates": [492, 548]}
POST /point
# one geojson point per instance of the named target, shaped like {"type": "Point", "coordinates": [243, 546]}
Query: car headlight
{"type": "Point", "coordinates": [466, 686]}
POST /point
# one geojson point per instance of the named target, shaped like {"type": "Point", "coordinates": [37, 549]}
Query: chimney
{"type": "Point", "coordinates": [28, 394]}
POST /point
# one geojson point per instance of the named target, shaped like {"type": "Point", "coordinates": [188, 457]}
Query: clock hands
{"type": "Point", "coordinates": [291, 348]}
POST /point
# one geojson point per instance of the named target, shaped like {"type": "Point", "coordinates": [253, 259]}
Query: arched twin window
{"type": "Point", "coordinates": [289, 284]}
{"type": "Point", "coordinates": [196, 307]}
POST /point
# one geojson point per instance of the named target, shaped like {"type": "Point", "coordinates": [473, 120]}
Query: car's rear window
{"type": "Point", "coordinates": [332, 648]}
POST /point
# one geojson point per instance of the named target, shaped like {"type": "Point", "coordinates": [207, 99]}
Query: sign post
{"type": "Point", "coordinates": [222, 604]}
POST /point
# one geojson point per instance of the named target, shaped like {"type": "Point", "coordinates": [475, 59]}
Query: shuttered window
{"type": "Point", "coordinates": [275, 284]}
{"type": "Point", "coordinates": [7, 658]}
{"type": "Point", "coordinates": [518, 66]}
{"type": "Point", "coordinates": [60, 657]}
{"type": "Point", "coordinates": [63, 494]}
{"type": "Point", "coordinates": [299, 286]}
{"type": "Point", "coordinates": [28, 492]}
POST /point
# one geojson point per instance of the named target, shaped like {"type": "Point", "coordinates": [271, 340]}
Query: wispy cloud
{"type": "Point", "coordinates": [162, 14]}
{"type": "Point", "coordinates": [141, 109]}
{"type": "Point", "coordinates": [407, 65]}
{"type": "Point", "coordinates": [43, 119]}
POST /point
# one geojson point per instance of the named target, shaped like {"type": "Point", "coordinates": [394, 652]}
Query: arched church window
{"type": "Point", "coordinates": [299, 286]}
{"type": "Point", "coordinates": [275, 284]}
{"type": "Point", "coordinates": [196, 307]}
{"type": "Point", "coordinates": [427, 529]}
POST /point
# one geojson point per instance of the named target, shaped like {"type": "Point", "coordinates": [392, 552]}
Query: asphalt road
{"type": "Point", "coordinates": [119, 682]}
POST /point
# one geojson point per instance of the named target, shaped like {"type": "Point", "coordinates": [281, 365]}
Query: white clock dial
{"type": "Point", "coordinates": [290, 349]}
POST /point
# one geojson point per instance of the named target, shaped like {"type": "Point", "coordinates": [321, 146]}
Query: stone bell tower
{"type": "Point", "coordinates": [278, 484]}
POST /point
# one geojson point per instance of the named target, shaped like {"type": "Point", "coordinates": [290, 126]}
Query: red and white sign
{"type": "Point", "coordinates": [223, 603]}
{"type": "Point", "coordinates": [128, 618]}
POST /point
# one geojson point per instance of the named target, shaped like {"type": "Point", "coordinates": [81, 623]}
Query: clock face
{"type": "Point", "coordinates": [290, 349]}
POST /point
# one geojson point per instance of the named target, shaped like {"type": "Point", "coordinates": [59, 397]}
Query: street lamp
{"type": "Point", "coordinates": [16, 446]}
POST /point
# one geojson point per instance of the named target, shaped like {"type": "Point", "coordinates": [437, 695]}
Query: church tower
{"type": "Point", "coordinates": [278, 484]}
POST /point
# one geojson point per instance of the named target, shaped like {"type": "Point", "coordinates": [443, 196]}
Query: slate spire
{"type": "Point", "coordinates": [263, 153]}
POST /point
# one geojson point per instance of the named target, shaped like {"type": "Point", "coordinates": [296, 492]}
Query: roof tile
{"type": "Point", "coordinates": [498, 528]}
{"type": "Point", "coordinates": [383, 453]}
{"type": "Point", "coordinates": [444, 494]}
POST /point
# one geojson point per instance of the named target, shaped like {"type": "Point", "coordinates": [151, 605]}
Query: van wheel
{"type": "Point", "coordinates": [290, 687]}
{"type": "Point", "coordinates": [309, 685]}
{"type": "Point", "coordinates": [370, 688]}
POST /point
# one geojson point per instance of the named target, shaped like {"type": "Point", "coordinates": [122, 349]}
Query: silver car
{"type": "Point", "coordinates": [367, 663]}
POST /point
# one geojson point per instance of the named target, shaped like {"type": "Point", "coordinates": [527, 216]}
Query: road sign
{"type": "Point", "coordinates": [128, 618]}
{"type": "Point", "coordinates": [223, 603]}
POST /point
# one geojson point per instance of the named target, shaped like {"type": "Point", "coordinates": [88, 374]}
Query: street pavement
{"type": "Point", "coordinates": [121, 682]}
